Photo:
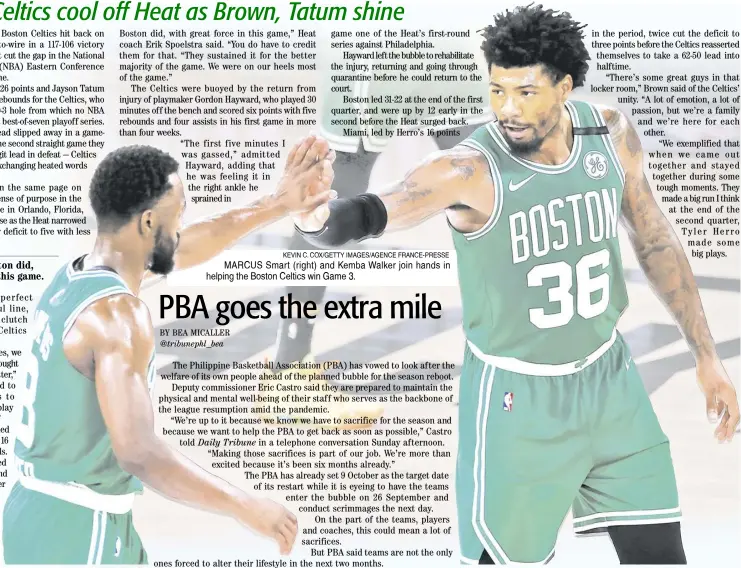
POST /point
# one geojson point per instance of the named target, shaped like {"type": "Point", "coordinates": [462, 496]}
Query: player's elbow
{"type": "Point", "coordinates": [135, 456]}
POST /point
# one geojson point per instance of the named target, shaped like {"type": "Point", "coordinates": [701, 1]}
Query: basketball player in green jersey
{"type": "Point", "coordinates": [86, 440]}
{"type": "Point", "coordinates": [553, 413]}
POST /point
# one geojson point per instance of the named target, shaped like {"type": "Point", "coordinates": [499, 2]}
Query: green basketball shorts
{"type": "Point", "coordinates": [41, 529]}
{"type": "Point", "coordinates": [535, 441]}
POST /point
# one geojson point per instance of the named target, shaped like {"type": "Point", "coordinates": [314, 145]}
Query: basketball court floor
{"type": "Point", "coordinates": [707, 472]}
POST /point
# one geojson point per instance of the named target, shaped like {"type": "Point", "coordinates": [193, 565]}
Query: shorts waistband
{"type": "Point", "coordinates": [525, 368]}
{"type": "Point", "coordinates": [81, 495]}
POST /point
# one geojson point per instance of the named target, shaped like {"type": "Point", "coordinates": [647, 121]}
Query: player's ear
{"type": "Point", "coordinates": [146, 223]}
{"type": "Point", "coordinates": [565, 86]}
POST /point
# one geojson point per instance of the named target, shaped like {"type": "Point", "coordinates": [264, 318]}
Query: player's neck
{"type": "Point", "coordinates": [116, 252]}
{"type": "Point", "coordinates": [557, 144]}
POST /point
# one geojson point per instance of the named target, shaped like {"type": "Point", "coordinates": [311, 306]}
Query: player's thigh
{"type": "Point", "coordinates": [472, 378]}
{"type": "Point", "coordinates": [639, 489]}
{"type": "Point", "coordinates": [524, 456]}
{"type": "Point", "coordinates": [123, 544]}
{"type": "Point", "coordinates": [632, 481]}
{"type": "Point", "coordinates": [39, 529]}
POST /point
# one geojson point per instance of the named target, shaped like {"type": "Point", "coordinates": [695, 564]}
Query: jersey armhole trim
{"type": "Point", "coordinates": [607, 141]}
{"type": "Point", "coordinates": [498, 194]}
{"type": "Point", "coordinates": [106, 292]}
{"type": "Point", "coordinates": [73, 274]}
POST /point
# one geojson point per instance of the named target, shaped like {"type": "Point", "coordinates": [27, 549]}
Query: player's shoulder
{"type": "Point", "coordinates": [120, 318]}
{"type": "Point", "coordinates": [623, 134]}
{"type": "Point", "coordinates": [615, 119]}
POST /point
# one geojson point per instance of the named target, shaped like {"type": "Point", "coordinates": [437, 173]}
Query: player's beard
{"type": "Point", "coordinates": [526, 147]}
{"type": "Point", "coordinates": [523, 147]}
{"type": "Point", "coordinates": [163, 255]}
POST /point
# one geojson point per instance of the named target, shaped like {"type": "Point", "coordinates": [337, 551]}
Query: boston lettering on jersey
{"type": "Point", "coordinates": [544, 227]}
{"type": "Point", "coordinates": [542, 281]}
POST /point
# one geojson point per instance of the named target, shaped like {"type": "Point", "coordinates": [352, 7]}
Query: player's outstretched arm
{"type": "Point", "coordinates": [443, 180]}
{"type": "Point", "coordinates": [119, 333]}
{"type": "Point", "coordinates": [305, 184]}
{"type": "Point", "coordinates": [665, 264]}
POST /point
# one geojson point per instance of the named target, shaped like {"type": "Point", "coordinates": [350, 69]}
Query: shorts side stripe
{"type": "Point", "coordinates": [648, 513]}
{"type": "Point", "coordinates": [101, 542]}
{"type": "Point", "coordinates": [495, 550]}
{"type": "Point", "coordinates": [627, 518]}
{"type": "Point", "coordinates": [479, 469]}
{"type": "Point", "coordinates": [624, 522]}
{"type": "Point", "coordinates": [94, 537]}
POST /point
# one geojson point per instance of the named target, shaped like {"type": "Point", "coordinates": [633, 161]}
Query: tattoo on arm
{"type": "Point", "coordinates": [464, 167]}
{"type": "Point", "coordinates": [658, 250]}
{"type": "Point", "coordinates": [624, 135]}
{"type": "Point", "coordinates": [410, 192]}
{"type": "Point", "coordinates": [446, 180]}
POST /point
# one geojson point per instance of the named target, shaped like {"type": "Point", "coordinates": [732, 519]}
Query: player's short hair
{"type": "Point", "coordinates": [128, 181]}
{"type": "Point", "coordinates": [531, 35]}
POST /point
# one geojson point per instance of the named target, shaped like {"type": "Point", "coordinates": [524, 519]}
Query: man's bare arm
{"type": "Point", "coordinates": [206, 238]}
{"type": "Point", "coordinates": [656, 245]}
{"type": "Point", "coordinates": [119, 332]}
{"type": "Point", "coordinates": [663, 261]}
{"type": "Point", "coordinates": [443, 180]}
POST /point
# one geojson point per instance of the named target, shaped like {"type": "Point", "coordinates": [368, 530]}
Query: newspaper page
{"type": "Point", "coordinates": [369, 283]}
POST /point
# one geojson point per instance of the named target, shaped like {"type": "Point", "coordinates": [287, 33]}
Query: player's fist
{"type": "Point", "coordinates": [721, 401]}
{"type": "Point", "coordinates": [271, 520]}
{"type": "Point", "coordinates": [307, 177]}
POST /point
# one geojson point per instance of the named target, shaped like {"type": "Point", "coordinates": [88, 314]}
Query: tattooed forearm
{"type": "Point", "coordinates": [665, 264]}
{"type": "Point", "coordinates": [409, 192]}
{"type": "Point", "coordinates": [415, 195]}
{"type": "Point", "coordinates": [657, 247]}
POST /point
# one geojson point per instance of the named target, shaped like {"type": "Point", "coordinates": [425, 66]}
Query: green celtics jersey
{"type": "Point", "coordinates": [542, 280]}
{"type": "Point", "coordinates": [61, 436]}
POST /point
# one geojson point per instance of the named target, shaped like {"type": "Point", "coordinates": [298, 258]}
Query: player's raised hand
{"type": "Point", "coordinates": [271, 520]}
{"type": "Point", "coordinates": [312, 219]}
{"type": "Point", "coordinates": [721, 402]}
{"type": "Point", "coordinates": [307, 177]}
